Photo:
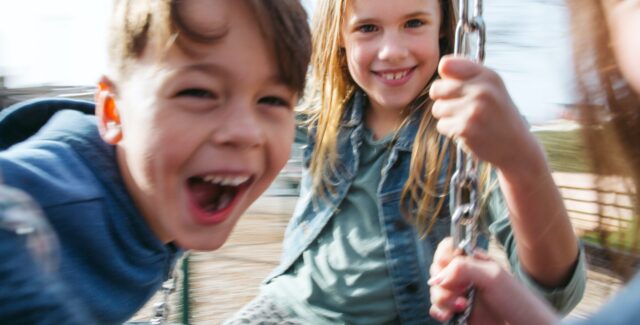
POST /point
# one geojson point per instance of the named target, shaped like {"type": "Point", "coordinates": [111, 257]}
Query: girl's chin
{"type": "Point", "coordinates": [396, 103]}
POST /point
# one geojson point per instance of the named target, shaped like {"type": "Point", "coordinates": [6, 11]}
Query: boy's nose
{"type": "Point", "coordinates": [392, 48]}
{"type": "Point", "coordinates": [241, 128]}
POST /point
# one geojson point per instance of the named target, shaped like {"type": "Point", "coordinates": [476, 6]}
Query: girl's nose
{"type": "Point", "coordinates": [392, 48]}
{"type": "Point", "coordinates": [240, 128]}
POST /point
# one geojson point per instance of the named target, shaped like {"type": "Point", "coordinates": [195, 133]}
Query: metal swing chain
{"type": "Point", "coordinates": [161, 309]}
{"type": "Point", "coordinates": [465, 203]}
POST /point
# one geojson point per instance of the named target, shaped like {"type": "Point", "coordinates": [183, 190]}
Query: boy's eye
{"type": "Point", "coordinates": [274, 101]}
{"type": "Point", "coordinates": [368, 28]}
{"type": "Point", "coordinates": [414, 23]}
{"type": "Point", "coordinates": [196, 92]}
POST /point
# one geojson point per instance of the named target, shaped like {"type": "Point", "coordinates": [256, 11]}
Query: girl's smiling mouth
{"type": "Point", "coordinates": [213, 196]}
{"type": "Point", "coordinates": [395, 77]}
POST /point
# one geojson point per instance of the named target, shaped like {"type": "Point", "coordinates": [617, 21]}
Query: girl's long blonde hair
{"type": "Point", "coordinates": [422, 197]}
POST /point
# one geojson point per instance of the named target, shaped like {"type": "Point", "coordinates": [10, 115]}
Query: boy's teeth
{"type": "Point", "coordinates": [226, 181]}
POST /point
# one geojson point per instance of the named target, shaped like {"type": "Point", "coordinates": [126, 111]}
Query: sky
{"type": "Point", "coordinates": [528, 44]}
{"type": "Point", "coordinates": [62, 42]}
{"type": "Point", "coordinates": [52, 42]}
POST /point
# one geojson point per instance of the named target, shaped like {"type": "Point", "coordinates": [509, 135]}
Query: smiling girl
{"type": "Point", "coordinates": [373, 197]}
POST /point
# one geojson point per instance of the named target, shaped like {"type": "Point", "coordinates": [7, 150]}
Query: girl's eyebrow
{"type": "Point", "coordinates": [365, 20]}
{"type": "Point", "coordinates": [427, 14]}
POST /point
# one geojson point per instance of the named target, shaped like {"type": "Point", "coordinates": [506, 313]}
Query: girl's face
{"type": "Point", "coordinates": [392, 48]}
{"type": "Point", "coordinates": [624, 23]}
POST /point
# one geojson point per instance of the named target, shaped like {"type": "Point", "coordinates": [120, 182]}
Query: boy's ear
{"type": "Point", "coordinates": [107, 112]}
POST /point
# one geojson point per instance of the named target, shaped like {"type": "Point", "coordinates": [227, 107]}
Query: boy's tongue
{"type": "Point", "coordinates": [211, 197]}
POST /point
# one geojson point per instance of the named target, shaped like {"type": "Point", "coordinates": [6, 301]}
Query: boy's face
{"type": "Point", "coordinates": [392, 48]}
{"type": "Point", "coordinates": [204, 133]}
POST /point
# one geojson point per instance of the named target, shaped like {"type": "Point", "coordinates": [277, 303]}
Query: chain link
{"type": "Point", "coordinates": [464, 196]}
{"type": "Point", "coordinates": [161, 309]}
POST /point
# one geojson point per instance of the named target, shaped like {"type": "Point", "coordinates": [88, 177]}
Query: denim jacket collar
{"type": "Point", "coordinates": [354, 115]}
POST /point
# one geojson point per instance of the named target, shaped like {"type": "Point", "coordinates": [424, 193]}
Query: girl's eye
{"type": "Point", "coordinates": [368, 28]}
{"type": "Point", "coordinates": [414, 23]}
{"type": "Point", "coordinates": [197, 93]}
{"type": "Point", "coordinates": [274, 101]}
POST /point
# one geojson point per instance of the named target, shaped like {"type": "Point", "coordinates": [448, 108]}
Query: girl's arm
{"type": "Point", "coordinates": [546, 244]}
{"type": "Point", "coordinates": [473, 106]}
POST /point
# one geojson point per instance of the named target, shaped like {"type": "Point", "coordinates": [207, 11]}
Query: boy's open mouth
{"type": "Point", "coordinates": [213, 194]}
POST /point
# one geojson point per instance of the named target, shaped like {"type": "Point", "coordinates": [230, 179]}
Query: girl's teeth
{"type": "Point", "coordinates": [394, 76]}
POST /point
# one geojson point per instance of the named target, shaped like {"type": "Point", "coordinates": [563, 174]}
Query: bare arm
{"type": "Point", "coordinates": [546, 244]}
{"type": "Point", "coordinates": [473, 106]}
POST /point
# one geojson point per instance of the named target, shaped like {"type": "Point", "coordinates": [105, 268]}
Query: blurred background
{"type": "Point", "coordinates": [57, 48]}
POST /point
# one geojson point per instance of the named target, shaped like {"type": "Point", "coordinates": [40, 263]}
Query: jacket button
{"type": "Point", "coordinates": [400, 224]}
{"type": "Point", "coordinates": [412, 287]}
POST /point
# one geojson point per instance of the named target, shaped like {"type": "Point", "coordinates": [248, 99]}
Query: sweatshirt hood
{"type": "Point", "coordinates": [22, 120]}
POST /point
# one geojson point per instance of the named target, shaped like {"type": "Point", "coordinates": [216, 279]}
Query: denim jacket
{"type": "Point", "coordinates": [408, 254]}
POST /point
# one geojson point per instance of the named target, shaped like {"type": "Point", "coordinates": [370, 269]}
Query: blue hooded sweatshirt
{"type": "Point", "coordinates": [109, 257]}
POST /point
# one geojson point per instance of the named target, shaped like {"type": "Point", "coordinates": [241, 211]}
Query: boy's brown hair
{"type": "Point", "coordinates": [135, 23]}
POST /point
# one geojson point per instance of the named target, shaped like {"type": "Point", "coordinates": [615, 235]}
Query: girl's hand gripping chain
{"type": "Point", "coordinates": [500, 298]}
{"type": "Point", "coordinates": [472, 104]}
{"type": "Point", "coordinates": [449, 297]}
{"type": "Point", "coordinates": [473, 108]}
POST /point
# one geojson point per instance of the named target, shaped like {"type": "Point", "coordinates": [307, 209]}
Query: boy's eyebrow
{"type": "Point", "coordinates": [216, 69]}
{"type": "Point", "coordinates": [209, 68]}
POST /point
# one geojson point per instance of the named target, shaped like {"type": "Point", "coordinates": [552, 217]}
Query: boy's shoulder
{"type": "Point", "coordinates": [46, 150]}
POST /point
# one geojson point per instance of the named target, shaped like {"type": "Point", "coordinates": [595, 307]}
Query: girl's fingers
{"type": "Point", "coordinates": [446, 296]}
{"type": "Point", "coordinates": [458, 274]}
{"type": "Point", "coordinates": [446, 89]}
{"type": "Point", "coordinates": [440, 315]}
{"type": "Point", "coordinates": [481, 254]}
{"type": "Point", "coordinates": [443, 256]}
{"type": "Point", "coordinates": [458, 68]}
{"type": "Point", "coordinates": [449, 107]}
{"type": "Point", "coordinates": [445, 303]}
{"type": "Point", "coordinates": [451, 128]}
{"type": "Point", "coordinates": [466, 271]}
